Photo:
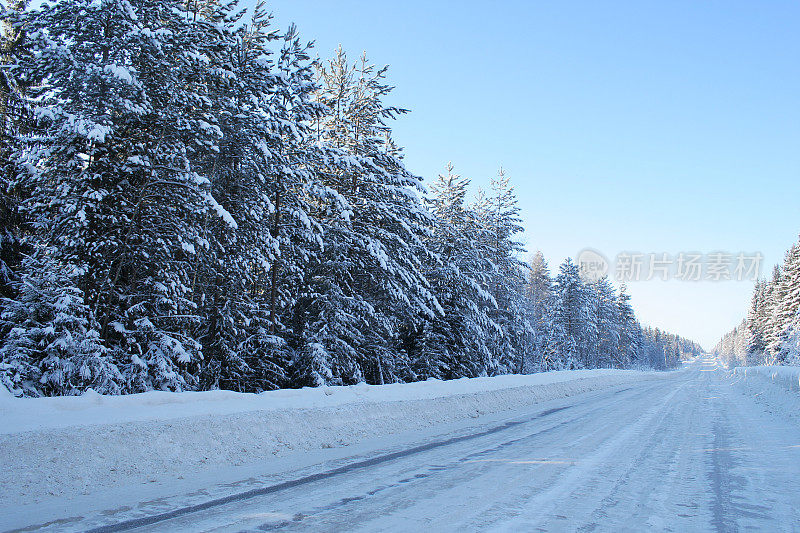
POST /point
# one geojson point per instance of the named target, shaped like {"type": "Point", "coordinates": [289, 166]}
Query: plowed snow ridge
{"type": "Point", "coordinates": [81, 445]}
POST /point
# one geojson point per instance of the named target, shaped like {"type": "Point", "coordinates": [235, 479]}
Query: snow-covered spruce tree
{"type": "Point", "coordinates": [247, 277]}
{"type": "Point", "coordinates": [768, 333]}
{"type": "Point", "coordinates": [539, 304]}
{"type": "Point", "coordinates": [662, 350]}
{"type": "Point", "coordinates": [629, 331]}
{"type": "Point", "coordinates": [570, 318]}
{"type": "Point", "coordinates": [499, 211]}
{"type": "Point", "coordinates": [757, 323]}
{"type": "Point", "coordinates": [786, 303]}
{"type": "Point", "coordinates": [790, 349]}
{"type": "Point", "coordinates": [304, 203]}
{"type": "Point", "coordinates": [773, 295]}
{"type": "Point", "coordinates": [13, 114]}
{"type": "Point", "coordinates": [124, 109]}
{"type": "Point", "coordinates": [652, 349]}
{"type": "Point", "coordinates": [369, 279]}
{"type": "Point", "coordinates": [675, 352]}
{"type": "Point", "coordinates": [52, 348]}
{"type": "Point", "coordinates": [733, 347]}
{"type": "Point", "coordinates": [226, 253]}
{"type": "Point", "coordinates": [605, 314]}
{"type": "Point", "coordinates": [452, 344]}
{"type": "Point", "coordinates": [591, 332]}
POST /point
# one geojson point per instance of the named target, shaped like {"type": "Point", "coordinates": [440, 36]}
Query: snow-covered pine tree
{"type": "Point", "coordinates": [756, 322]}
{"type": "Point", "coordinates": [303, 203]}
{"type": "Point", "coordinates": [539, 301]}
{"type": "Point", "coordinates": [652, 348]}
{"type": "Point", "coordinates": [13, 46]}
{"type": "Point", "coordinates": [591, 334]}
{"type": "Point", "coordinates": [452, 343]}
{"type": "Point", "coordinates": [570, 320]}
{"type": "Point", "coordinates": [787, 302]}
{"type": "Point", "coordinates": [124, 105]}
{"type": "Point", "coordinates": [247, 276]}
{"type": "Point", "coordinates": [369, 279]}
{"type": "Point", "coordinates": [607, 320]}
{"type": "Point", "coordinates": [733, 347]}
{"type": "Point", "coordinates": [773, 296]}
{"type": "Point", "coordinates": [629, 331]}
{"type": "Point", "coordinates": [790, 349]}
{"type": "Point", "coordinates": [499, 211]}
{"type": "Point", "coordinates": [742, 342]}
{"type": "Point", "coordinates": [233, 258]}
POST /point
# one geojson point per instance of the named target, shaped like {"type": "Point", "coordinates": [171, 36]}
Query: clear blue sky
{"type": "Point", "coordinates": [644, 126]}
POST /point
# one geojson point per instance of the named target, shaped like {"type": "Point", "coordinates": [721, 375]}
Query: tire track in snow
{"type": "Point", "coordinates": [155, 519]}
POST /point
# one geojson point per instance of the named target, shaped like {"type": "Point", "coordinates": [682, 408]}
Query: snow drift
{"type": "Point", "coordinates": [785, 376]}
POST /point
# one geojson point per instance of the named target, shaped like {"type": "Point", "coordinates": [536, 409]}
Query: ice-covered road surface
{"type": "Point", "coordinates": [682, 454]}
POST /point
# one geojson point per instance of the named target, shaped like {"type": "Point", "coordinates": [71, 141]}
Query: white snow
{"type": "Point", "coordinates": [98, 133]}
{"type": "Point", "coordinates": [31, 414]}
{"type": "Point", "coordinates": [777, 388]}
{"type": "Point", "coordinates": [188, 247]}
{"type": "Point", "coordinates": [650, 445]}
{"type": "Point", "coordinates": [70, 446]}
{"type": "Point", "coordinates": [43, 112]}
{"type": "Point", "coordinates": [785, 376]}
{"type": "Point", "coordinates": [122, 74]}
{"type": "Point", "coordinates": [693, 450]}
{"type": "Point", "coordinates": [221, 212]}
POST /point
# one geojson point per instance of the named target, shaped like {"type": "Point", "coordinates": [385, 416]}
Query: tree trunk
{"type": "Point", "coordinates": [273, 299]}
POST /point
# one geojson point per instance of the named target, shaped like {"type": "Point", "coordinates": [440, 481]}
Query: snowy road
{"type": "Point", "coordinates": [683, 454]}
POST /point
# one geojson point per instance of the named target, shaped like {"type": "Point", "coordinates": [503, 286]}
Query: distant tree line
{"type": "Point", "coordinates": [191, 202]}
{"type": "Point", "coordinates": [770, 334]}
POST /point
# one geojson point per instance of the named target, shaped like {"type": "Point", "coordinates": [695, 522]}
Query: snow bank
{"type": "Point", "coordinates": [775, 388]}
{"type": "Point", "coordinates": [785, 376]}
{"type": "Point", "coordinates": [68, 446]}
{"type": "Point", "coordinates": [29, 414]}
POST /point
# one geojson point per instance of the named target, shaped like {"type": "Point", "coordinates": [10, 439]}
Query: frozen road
{"type": "Point", "coordinates": [682, 454]}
